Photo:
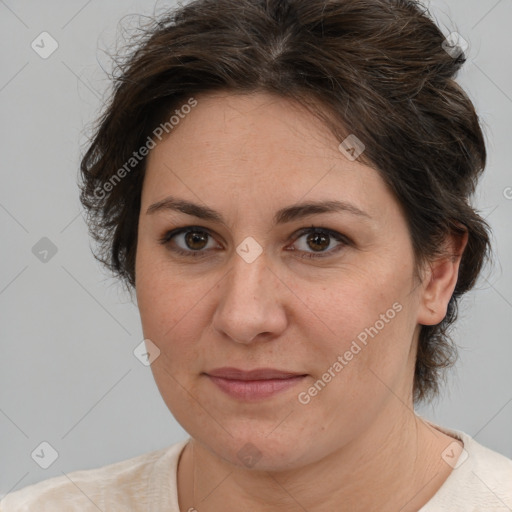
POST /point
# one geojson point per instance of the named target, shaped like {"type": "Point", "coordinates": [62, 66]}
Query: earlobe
{"type": "Point", "coordinates": [442, 279]}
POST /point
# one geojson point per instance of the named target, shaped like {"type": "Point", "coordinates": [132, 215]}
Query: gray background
{"type": "Point", "coordinates": [68, 375]}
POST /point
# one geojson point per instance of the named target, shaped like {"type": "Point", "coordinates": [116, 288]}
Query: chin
{"type": "Point", "coordinates": [253, 449]}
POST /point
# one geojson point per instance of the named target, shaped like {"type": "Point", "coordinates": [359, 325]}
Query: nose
{"type": "Point", "coordinates": [250, 306]}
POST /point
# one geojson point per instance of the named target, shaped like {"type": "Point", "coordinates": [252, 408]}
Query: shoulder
{"type": "Point", "coordinates": [481, 480]}
{"type": "Point", "coordinates": [490, 473]}
{"type": "Point", "coordinates": [123, 483]}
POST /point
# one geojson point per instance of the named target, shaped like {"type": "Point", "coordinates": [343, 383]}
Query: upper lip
{"type": "Point", "coordinates": [256, 374]}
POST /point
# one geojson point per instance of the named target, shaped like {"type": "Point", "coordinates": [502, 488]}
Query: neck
{"type": "Point", "coordinates": [395, 465]}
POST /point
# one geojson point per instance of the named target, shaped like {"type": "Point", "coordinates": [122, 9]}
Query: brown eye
{"type": "Point", "coordinates": [318, 240]}
{"type": "Point", "coordinates": [196, 240]}
{"type": "Point", "coordinates": [189, 241]}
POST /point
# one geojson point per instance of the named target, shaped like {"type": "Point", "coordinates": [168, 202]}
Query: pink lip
{"type": "Point", "coordinates": [254, 384]}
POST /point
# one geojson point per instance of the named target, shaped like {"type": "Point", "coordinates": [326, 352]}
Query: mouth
{"type": "Point", "coordinates": [255, 384]}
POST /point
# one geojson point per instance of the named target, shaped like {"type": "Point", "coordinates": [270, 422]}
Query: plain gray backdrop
{"type": "Point", "coordinates": [68, 374]}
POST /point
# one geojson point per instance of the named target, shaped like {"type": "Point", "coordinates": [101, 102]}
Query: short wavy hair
{"type": "Point", "coordinates": [379, 69]}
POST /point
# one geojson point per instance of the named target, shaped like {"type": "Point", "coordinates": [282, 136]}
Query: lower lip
{"type": "Point", "coordinates": [255, 389]}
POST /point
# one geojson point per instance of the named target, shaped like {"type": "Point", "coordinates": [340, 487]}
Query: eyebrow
{"type": "Point", "coordinates": [282, 216]}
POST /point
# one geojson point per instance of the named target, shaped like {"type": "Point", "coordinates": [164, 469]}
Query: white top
{"type": "Point", "coordinates": [480, 482]}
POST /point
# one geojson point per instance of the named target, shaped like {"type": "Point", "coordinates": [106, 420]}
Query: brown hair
{"type": "Point", "coordinates": [374, 68]}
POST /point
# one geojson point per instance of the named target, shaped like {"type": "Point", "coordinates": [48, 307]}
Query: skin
{"type": "Point", "coordinates": [357, 445]}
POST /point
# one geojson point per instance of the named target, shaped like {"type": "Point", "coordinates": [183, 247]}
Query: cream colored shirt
{"type": "Point", "coordinates": [147, 483]}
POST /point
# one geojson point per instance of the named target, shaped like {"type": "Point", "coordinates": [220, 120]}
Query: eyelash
{"type": "Point", "coordinates": [344, 241]}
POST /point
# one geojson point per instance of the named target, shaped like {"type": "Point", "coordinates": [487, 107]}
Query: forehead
{"type": "Point", "coordinates": [256, 147]}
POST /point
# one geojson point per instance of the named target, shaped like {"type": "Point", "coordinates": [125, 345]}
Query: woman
{"type": "Point", "coordinates": [286, 186]}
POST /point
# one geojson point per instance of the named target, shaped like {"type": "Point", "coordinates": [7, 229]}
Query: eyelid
{"type": "Point", "coordinates": [312, 229]}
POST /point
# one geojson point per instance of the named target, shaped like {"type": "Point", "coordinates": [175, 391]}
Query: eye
{"type": "Point", "coordinates": [193, 240]}
{"type": "Point", "coordinates": [319, 239]}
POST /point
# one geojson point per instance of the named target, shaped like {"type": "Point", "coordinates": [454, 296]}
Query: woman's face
{"type": "Point", "coordinates": [260, 289]}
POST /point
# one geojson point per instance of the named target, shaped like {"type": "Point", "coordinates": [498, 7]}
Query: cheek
{"type": "Point", "coordinates": [355, 374]}
{"type": "Point", "coordinates": [361, 330]}
{"type": "Point", "coordinates": [170, 313]}
{"type": "Point", "coordinates": [168, 304]}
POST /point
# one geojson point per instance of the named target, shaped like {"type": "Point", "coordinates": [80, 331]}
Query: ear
{"type": "Point", "coordinates": [440, 280]}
